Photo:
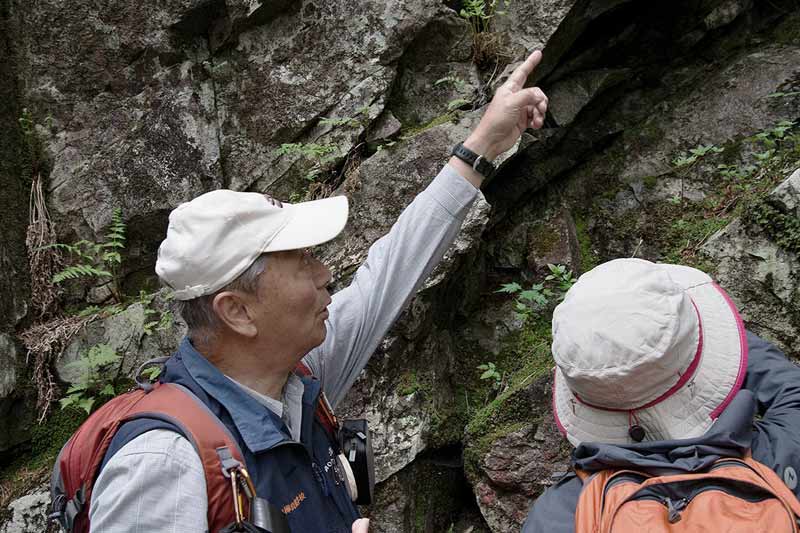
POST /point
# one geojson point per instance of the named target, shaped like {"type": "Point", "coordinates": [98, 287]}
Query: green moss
{"type": "Point", "coordinates": [650, 181]}
{"type": "Point", "coordinates": [544, 239]}
{"type": "Point", "coordinates": [782, 228]}
{"type": "Point", "coordinates": [526, 358]}
{"type": "Point", "coordinates": [413, 131]}
{"type": "Point", "coordinates": [409, 384]}
{"type": "Point", "coordinates": [589, 258]}
{"type": "Point", "coordinates": [28, 469]}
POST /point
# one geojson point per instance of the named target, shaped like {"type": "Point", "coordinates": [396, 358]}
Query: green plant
{"type": "Point", "coordinates": [491, 374]}
{"type": "Point", "coordinates": [319, 154]}
{"type": "Point", "coordinates": [100, 260]}
{"type": "Point", "coordinates": [459, 84]}
{"type": "Point", "coordinates": [694, 154]}
{"type": "Point", "coordinates": [91, 382]}
{"type": "Point", "coordinates": [385, 145]}
{"type": "Point", "coordinates": [528, 301]}
{"type": "Point", "coordinates": [562, 277]}
{"type": "Point", "coordinates": [687, 160]}
{"type": "Point", "coordinates": [479, 13]}
{"type": "Point", "coordinates": [781, 94]}
{"type": "Point", "coordinates": [458, 103]}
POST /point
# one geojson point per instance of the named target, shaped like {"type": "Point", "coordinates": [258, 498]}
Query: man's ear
{"type": "Point", "coordinates": [233, 310]}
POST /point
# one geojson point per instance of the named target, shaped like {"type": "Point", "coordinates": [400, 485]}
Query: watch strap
{"type": "Point", "coordinates": [479, 164]}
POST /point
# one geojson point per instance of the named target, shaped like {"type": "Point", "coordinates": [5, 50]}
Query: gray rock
{"type": "Point", "coordinates": [28, 513]}
{"type": "Point", "coordinates": [16, 405]}
{"type": "Point", "coordinates": [725, 13]}
{"type": "Point", "coordinates": [300, 67]}
{"type": "Point", "coordinates": [8, 365]}
{"type": "Point", "coordinates": [435, 73]}
{"type": "Point", "coordinates": [126, 115]}
{"type": "Point", "coordinates": [519, 466]}
{"type": "Point", "coordinates": [786, 196]}
{"type": "Point", "coordinates": [741, 108]}
{"type": "Point", "coordinates": [569, 96]}
{"type": "Point", "coordinates": [528, 26]}
{"type": "Point", "coordinates": [761, 277]}
{"type": "Point", "coordinates": [385, 126]}
{"type": "Point", "coordinates": [132, 333]}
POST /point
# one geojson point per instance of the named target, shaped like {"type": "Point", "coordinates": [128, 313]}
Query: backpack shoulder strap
{"type": "Point", "coordinates": [324, 412]}
{"type": "Point", "coordinates": [218, 450]}
{"type": "Point", "coordinates": [79, 462]}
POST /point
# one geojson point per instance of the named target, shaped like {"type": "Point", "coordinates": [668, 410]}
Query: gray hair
{"type": "Point", "coordinates": [198, 313]}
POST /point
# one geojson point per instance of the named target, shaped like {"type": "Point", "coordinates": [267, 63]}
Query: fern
{"type": "Point", "coordinates": [98, 260]}
{"type": "Point", "coordinates": [80, 271]}
{"type": "Point", "coordinates": [90, 383]}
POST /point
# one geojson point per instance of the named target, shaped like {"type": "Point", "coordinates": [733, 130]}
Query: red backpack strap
{"type": "Point", "coordinates": [218, 451]}
{"type": "Point", "coordinates": [79, 461]}
{"type": "Point", "coordinates": [324, 411]}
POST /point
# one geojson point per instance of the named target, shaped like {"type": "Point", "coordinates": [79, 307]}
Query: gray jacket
{"type": "Point", "coordinates": [764, 416]}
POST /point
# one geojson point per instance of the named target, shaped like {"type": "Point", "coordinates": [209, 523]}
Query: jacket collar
{"type": "Point", "coordinates": [260, 428]}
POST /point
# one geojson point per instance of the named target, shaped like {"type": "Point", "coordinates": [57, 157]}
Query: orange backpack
{"type": "Point", "coordinates": [734, 496]}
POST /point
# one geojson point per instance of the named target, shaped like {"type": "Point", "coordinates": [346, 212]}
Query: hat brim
{"type": "Point", "coordinates": [690, 410]}
{"type": "Point", "coordinates": [310, 224]}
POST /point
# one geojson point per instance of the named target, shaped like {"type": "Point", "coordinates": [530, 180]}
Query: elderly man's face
{"type": "Point", "coordinates": [293, 299]}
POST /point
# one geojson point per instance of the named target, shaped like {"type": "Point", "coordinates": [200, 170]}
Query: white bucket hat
{"type": "Point", "coordinates": [657, 346]}
{"type": "Point", "coordinates": [218, 235]}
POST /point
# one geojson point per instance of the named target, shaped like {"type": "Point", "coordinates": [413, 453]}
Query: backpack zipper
{"type": "Point", "coordinates": [618, 479]}
{"type": "Point", "coordinates": [676, 507]}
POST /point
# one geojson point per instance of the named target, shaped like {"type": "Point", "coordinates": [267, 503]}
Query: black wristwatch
{"type": "Point", "coordinates": [479, 164]}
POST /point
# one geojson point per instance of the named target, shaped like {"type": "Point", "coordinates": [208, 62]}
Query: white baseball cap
{"type": "Point", "coordinates": [642, 344]}
{"type": "Point", "coordinates": [212, 239]}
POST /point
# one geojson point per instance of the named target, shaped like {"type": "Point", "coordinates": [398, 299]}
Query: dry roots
{"type": "Point", "coordinates": [45, 343]}
{"type": "Point", "coordinates": [43, 261]}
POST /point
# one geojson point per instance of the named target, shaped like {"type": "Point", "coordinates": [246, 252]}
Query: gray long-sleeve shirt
{"type": "Point", "coordinates": [156, 481]}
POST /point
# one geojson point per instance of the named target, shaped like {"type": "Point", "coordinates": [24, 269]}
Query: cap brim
{"type": "Point", "coordinates": [692, 409]}
{"type": "Point", "coordinates": [310, 224]}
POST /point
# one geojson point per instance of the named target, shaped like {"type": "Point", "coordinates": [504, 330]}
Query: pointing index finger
{"type": "Point", "coordinates": [521, 73]}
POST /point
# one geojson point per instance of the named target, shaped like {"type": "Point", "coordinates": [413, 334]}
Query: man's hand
{"type": "Point", "coordinates": [512, 111]}
{"type": "Point", "coordinates": [361, 525]}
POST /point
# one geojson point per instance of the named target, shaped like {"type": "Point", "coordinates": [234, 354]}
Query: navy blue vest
{"type": "Point", "coordinates": [298, 478]}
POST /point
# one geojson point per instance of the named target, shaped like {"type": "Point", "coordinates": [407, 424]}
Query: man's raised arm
{"type": "Point", "coordinates": [398, 263]}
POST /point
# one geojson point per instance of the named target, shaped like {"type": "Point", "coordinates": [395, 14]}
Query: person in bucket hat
{"type": "Point", "coordinates": [655, 372]}
{"type": "Point", "coordinates": [256, 303]}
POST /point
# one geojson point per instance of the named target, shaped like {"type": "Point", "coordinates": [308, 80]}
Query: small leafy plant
{"type": "Point", "coordinates": [540, 295]}
{"type": "Point", "coordinates": [479, 13]}
{"type": "Point", "coordinates": [695, 154]}
{"type": "Point", "coordinates": [99, 260]}
{"type": "Point", "coordinates": [563, 277]}
{"type": "Point", "coordinates": [491, 374]}
{"type": "Point", "coordinates": [319, 154]}
{"type": "Point", "coordinates": [91, 383]}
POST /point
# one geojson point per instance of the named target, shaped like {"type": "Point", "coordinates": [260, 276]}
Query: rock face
{"type": "Point", "coordinates": [134, 334]}
{"type": "Point", "coordinates": [761, 275]}
{"type": "Point", "coordinates": [28, 513]}
{"type": "Point", "coordinates": [145, 109]}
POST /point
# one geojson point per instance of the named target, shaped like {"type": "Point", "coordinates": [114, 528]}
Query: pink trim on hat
{"type": "Point", "coordinates": [685, 377]}
{"type": "Point", "coordinates": [742, 360]}
{"type": "Point", "coordinates": [561, 427]}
